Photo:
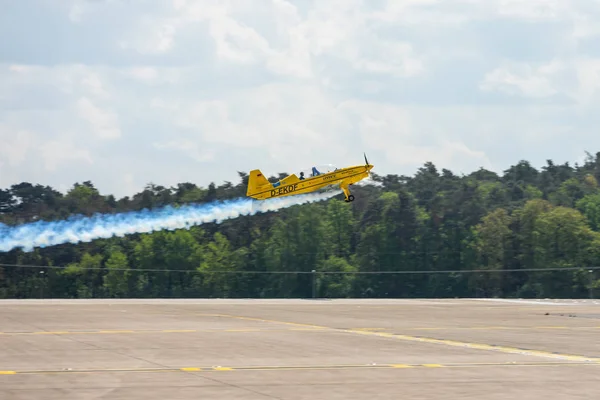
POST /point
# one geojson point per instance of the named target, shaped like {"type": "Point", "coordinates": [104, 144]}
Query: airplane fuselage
{"type": "Point", "coordinates": [292, 185]}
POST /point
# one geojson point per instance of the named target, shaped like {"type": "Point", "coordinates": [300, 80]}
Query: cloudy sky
{"type": "Point", "coordinates": [127, 92]}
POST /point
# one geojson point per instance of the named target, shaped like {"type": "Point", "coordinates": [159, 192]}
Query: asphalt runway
{"type": "Point", "coordinates": [299, 349]}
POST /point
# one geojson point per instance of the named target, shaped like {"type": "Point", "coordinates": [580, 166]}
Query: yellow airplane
{"type": "Point", "coordinates": [260, 188]}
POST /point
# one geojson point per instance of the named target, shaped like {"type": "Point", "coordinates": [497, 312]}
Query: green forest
{"type": "Point", "coordinates": [528, 232]}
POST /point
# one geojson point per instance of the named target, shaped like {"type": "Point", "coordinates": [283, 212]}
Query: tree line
{"type": "Point", "coordinates": [523, 233]}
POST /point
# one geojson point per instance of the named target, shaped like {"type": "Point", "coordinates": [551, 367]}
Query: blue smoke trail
{"type": "Point", "coordinates": [100, 226]}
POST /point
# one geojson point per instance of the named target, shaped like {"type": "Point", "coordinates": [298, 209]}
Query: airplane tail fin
{"type": "Point", "coordinates": [257, 182]}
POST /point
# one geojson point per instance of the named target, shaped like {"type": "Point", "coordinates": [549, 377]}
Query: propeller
{"type": "Point", "coordinates": [367, 165]}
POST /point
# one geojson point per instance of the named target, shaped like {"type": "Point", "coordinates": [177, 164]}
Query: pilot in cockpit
{"type": "Point", "coordinates": [301, 175]}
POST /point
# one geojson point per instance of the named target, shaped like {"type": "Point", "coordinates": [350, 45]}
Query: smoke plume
{"type": "Point", "coordinates": [85, 229]}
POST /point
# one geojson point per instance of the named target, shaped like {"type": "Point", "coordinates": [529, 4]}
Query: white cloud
{"type": "Point", "coordinates": [76, 12]}
{"type": "Point", "coordinates": [188, 147]}
{"type": "Point", "coordinates": [395, 59]}
{"type": "Point", "coordinates": [195, 91]}
{"type": "Point", "coordinates": [152, 37]}
{"type": "Point", "coordinates": [92, 83]}
{"type": "Point", "coordinates": [147, 74]}
{"type": "Point", "coordinates": [236, 42]}
{"type": "Point", "coordinates": [523, 79]}
{"type": "Point", "coordinates": [462, 158]}
{"type": "Point", "coordinates": [61, 152]}
{"type": "Point", "coordinates": [406, 136]}
{"type": "Point", "coordinates": [30, 156]}
{"type": "Point", "coordinates": [15, 145]}
{"type": "Point", "coordinates": [104, 123]}
{"type": "Point", "coordinates": [588, 74]}
{"type": "Point", "coordinates": [533, 10]}
{"type": "Point", "coordinates": [293, 123]}
{"type": "Point", "coordinates": [578, 79]}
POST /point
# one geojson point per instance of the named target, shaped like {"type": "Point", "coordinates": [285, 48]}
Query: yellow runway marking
{"type": "Point", "coordinates": [403, 328]}
{"type": "Point", "coordinates": [370, 329]}
{"type": "Point", "coordinates": [453, 343]}
{"type": "Point", "coordinates": [553, 327]}
{"type": "Point", "coordinates": [482, 346]}
{"type": "Point", "coordinates": [293, 326]}
{"type": "Point", "coordinates": [302, 327]}
{"type": "Point", "coordinates": [299, 368]}
{"type": "Point", "coordinates": [315, 329]}
{"type": "Point", "coordinates": [263, 320]}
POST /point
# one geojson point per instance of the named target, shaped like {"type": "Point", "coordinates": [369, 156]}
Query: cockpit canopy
{"type": "Point", "coordinates": [307, 173]}
{"type": "Point", "coordinates": [316, 170]}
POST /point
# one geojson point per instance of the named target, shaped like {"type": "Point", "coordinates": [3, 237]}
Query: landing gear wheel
{"type": "Point", "coordinates": [351, 198]}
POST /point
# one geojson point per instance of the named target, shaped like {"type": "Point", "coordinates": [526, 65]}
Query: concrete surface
{"type": "Point", "coordinates": [299, 349]}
